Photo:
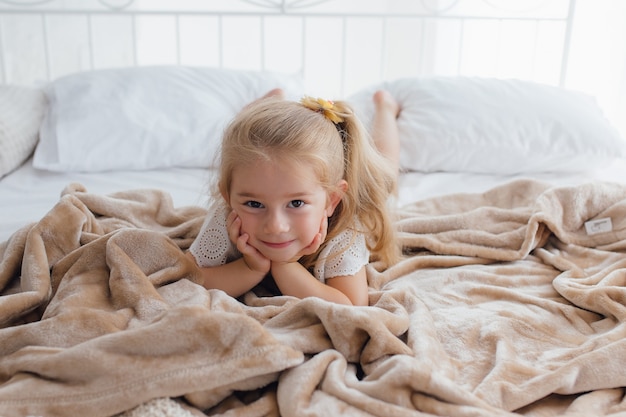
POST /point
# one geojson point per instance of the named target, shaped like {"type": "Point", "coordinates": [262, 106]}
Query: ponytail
{"type": "Point", "coordinates": [371, 182]}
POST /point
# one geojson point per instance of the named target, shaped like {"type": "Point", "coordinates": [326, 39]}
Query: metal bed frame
{"type": "Point", "coordinates": [335, 45]}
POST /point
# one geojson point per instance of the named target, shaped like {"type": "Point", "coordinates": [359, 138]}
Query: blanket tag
{"type": "Point", "coordinates": [598, 226]}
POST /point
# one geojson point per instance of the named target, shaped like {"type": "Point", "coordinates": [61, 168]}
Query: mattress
{"type": "Point", "coordinates": [29, 193]}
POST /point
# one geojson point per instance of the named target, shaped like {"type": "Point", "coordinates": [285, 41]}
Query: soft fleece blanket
{"type": "Point", "coordinates": [504, 305]}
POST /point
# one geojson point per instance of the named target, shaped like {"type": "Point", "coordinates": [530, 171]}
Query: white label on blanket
{"type": "Point", "coordinates": [598, 226]}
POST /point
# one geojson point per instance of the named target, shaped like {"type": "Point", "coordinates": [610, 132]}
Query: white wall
{"type": "Point", "coordinates": [597, 62]}
{"type": "Point", "coordinates": [336, 56]}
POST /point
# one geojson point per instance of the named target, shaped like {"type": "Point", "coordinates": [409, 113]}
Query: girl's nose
{"type": "Point", "coordinates": [276, 222]}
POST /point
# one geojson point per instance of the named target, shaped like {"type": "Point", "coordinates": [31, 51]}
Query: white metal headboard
{"type": "Point", "coordinates": [338, 46]}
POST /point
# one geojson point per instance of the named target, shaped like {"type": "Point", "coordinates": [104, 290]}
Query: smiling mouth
{"type": "Point", "coordinates": [278, 245]}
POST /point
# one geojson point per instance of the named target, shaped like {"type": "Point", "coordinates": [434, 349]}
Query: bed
{"type": "Point", "coordinates": [511, 211]}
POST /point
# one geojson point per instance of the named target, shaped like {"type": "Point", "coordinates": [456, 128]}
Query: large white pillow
{"type": "Point", "coordinates": [146, 117]}
{"type": "Point", "coordinates": [496, 126]}
{"type": "Point", "coordinates": [21, 112]}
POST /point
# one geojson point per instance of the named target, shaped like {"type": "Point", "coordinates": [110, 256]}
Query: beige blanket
{"type": "Point", "coordinates": [504, 305]}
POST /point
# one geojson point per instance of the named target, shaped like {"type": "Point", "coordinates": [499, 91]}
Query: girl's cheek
{"type": "Point", "coordinates": [315, 224]}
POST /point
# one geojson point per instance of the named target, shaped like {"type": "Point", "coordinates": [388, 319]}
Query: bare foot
{"type": "Point", "coordinates": [385, 127]}
{"type": "Point", "coordinates": [384, 102]}
{"type": "Point", "coordinates": [276, 92]}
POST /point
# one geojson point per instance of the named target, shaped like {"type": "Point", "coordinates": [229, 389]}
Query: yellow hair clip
{"type": "Point", "coordinates": [326, 107]}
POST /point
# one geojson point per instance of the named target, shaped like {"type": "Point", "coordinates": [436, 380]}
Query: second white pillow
{"type": "Point", "coordinates": [496, 126]}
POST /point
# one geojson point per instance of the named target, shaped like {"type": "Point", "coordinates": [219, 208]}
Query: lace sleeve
{"type": "Point", "coordinates": [212, 246]}
{"type": "Point", "coordinates": [352, 256]}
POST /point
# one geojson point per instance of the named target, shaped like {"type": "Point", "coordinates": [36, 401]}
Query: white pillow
{"type": "Point", "coordinates": [145, 117]}
{"type": "Point", "coordinates": [21, 112]}
{"type": "Point", "coordinates": [496, 126]}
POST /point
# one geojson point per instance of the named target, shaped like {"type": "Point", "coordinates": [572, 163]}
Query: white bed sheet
{"type": "Point", "coordinates": [414, 185]}
{"type": "Point", "coordinates": [27, 194]}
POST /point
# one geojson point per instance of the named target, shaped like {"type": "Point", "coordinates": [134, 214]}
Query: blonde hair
{"type": "Point", "coordinates": [280, 130]}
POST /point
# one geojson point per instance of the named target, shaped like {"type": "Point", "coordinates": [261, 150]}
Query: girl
{"type": "Point", "coordinates": [303, 198]}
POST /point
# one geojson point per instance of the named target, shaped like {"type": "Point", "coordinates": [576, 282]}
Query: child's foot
{"type": "Point", "coordinates": [276, 93]}
{"type": "Point", "coordinates": [385, 103]}
{"type": "Point", "coordinates": [385, 128]}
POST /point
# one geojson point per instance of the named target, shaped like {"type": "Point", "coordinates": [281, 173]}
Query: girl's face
{"type": "Point", "coordinates": [281, 206]}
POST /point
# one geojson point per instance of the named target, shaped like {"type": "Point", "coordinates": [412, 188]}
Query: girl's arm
{"type": "Point", "coordinates": [294, 279]}
{"type": "Point", "coordinates": [234, 278]}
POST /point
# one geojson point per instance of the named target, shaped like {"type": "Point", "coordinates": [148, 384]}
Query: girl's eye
{"type": "Point", "coordinates": [253, 204]}
{"type": "Point", "coordinates": [296, 203]}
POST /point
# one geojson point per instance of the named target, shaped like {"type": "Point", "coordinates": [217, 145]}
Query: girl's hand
{"type": "Point", "coordinates": [251, 256]}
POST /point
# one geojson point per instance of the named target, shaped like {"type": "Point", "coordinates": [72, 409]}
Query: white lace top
{"type": "Point", "coordinates": [212, 247]}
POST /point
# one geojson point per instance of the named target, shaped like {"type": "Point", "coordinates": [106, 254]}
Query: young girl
{"type": "Point", "coordinates": [304, 198]}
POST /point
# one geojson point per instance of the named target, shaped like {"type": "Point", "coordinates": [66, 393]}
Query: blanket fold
{"type": "Point", "coordinates": [505, 304]}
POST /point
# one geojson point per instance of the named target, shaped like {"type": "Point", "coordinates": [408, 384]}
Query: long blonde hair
{"type": "Point", "coordinates": [281, 130]}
